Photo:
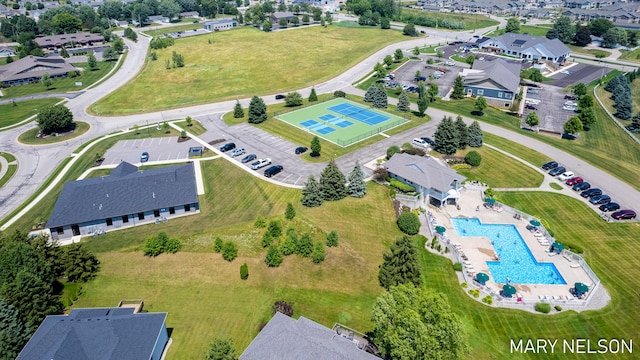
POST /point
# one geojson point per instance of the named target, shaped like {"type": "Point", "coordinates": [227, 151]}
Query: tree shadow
{"type": "Point", "coordinates": [477, 113]}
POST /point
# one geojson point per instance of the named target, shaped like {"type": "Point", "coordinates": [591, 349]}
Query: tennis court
{"type": "Point", "coordinates": [341, 121]}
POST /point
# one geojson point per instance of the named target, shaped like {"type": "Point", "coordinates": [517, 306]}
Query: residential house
{"type": "Point", "coordinates": [497, 81]}
{"type": "Point", "coordinates": [99, 333]}
{"type": "Point", "coordinates": [6, 51]}
{"type": "Point", "coordinates": [618, 15]}
{"type": "Point", "coordinates": [157, 19]}
{"type": "Point", "coordinates": [437, 184]}
{"type": "Point", "coordinates": [190, 14]}
{"type": "Point", "coordinates": [286, 338]}
{"type": "Point", "coordinates": [528, 47]}
{"type": "Point", "coordinates": [69, 40]}
{"type": "Point", "coordinates": [220, 25]}
{"type": "Point", "coordinates": [127, 197]}
{"type": "Point", "coordinates": [551, 4]}
{"type": "Point", "coordinates": [277, 16]}
{"type": "Point", "coordinates": [30, 69]}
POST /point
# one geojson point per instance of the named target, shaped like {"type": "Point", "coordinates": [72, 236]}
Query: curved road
{"type": "Point", "coordinates": [37, 162]}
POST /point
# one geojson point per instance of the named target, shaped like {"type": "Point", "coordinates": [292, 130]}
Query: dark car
{"type": "Point", "coordinates": [591, 192]}
{"type": "Point", "coordinates": [248, 158]}
{"type": "Point", "coordinates": [144, 157]}
{"type": "Point", "coordinates": [530, 107]}
{"type": "Point", "coordinates": [557, 171]}
{"type": "Point", "coordinates": [227, 147]}
{"type": "Point", "coordinates": [574, 180]}
{"type": "Point", "coordinates": [273, 170]}
{"type": "Point", "coordinates": [550, 165]}
{"type": "Point", "coordinates": [609, 207]}
{"type": "Point", "coordinates": [280, 97]}
{"type": "Point", "coordinates": [301, 150]}
{"type": "Point", "coordinates": [429, 141]}
{"type": "Point", "coordinates": [600, 199]}
{"type": "Point", "coordinates": [624, 214]}
{"type": "Point", "coordinates": [570, 97]}
{"type": "Point", "coordinates": [582, 186]}
{"type": "Point", "coordinates": [568, 136]}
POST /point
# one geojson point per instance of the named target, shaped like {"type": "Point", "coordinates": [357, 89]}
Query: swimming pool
{"type": "Point", "coordinates": [517, 263]}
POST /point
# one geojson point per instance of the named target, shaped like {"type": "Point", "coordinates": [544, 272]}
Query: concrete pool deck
{"type": "Point", "coordinates": [479, 250]}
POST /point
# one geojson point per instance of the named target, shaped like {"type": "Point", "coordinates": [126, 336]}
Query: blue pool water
{"type": "Point", "coordinates": [516, 261]}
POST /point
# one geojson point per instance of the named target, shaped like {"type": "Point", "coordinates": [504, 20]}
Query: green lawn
{"type": "Point", "coordinates": [527, 73]}
{"type": "Point", "coordinates": [207, 78]}
{"type": "Point", "coordinates": [605, 97]}
{"type": "Point", "coordinates": [592, 52]}
{"type": "Point", "coordinates": [529, 155]}
{"type": "Point", "coordinates": [630, 55]}
{"type": "Point", "coordinates": [29, 137]}
{"type": "Point", "coordinates": [13, 114]}
{"type": "Point", "coordinates": [166, 30]}
{"type": "Point", "coordinates": [196, 128]}
{"type": "Point", "coordinates": [11, 169]}
{"type": "Point", "coordinates": [87, 77]}
{"type": "Point", "coordinates": [529, 29]}
{"type": "Point", "coordinates": [472, 21]}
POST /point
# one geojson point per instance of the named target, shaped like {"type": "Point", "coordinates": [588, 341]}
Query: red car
{"type": "Point", "coordinates": [624, 214]}
{"type": "Point", "coordinates": [575, 180]}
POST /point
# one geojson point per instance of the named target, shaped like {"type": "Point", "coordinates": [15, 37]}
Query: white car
{"type": "Point", "coordinates": [260, 163]}
{"type": "Point", "coordinates": [420, 143]}
{"type": "Point", "coordinates": [566, 175]}
{"type": "Point", "coordinates": [569, 108]}
{"type": "Point", "coordinates": [450, 63]}
{"type": "Point", "coordinates": [570, 103]}
{"type": "Point", "coordinates": [237, 152]}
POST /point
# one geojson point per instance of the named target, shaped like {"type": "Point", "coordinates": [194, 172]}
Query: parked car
{"type": "Point", "coordinates": [574, 180]}
{"type": "Point", "coordinates": [624, 214]}
{"type": "Point", "coordinates": [450, 63]}
{"type": "Point", "coordinates": [570, 97]}
{"type": "Point", "coordinates": [227, 147]}
{"type": "Point", "coordinates": [260, 163]}
{"type": "Point", "coordinates": [582, 186]}
{"type": "Point", "coordinates": [609, 207]}
{"type": "Point", "coordinates": [248, 158]}
{"type": "Point", "coordinates": [557, 171]}
{"type": "Point", "coordinates": [533, 91]}
{"type": "Point", "coordinates": [420, 78]}
{"type": "Point", "coordinates": [301, 150]}
{"type": "Point", "coordinates": [237, 152]}
{"type": "Point", "coordinates": [569, 108]}
{"type": "Point", "coordinates": [570, 103]}
{"type": "Point", "coordinates": [280, 97]}
{"type": "Point", "coordinates": [600, 199]}
{"type": "Point", "coordinates": [550, 165]}
{"type": "Point", "coordinates": [591, 192]}
{"type": "Point", "coordinates": [273, 170]}
{"type": "Point", "coordinates": [566, 175]}
{"type": "Point", "coordinates": [531, 106]}
{"type": "Point", "coordinates": [420, 143]}
{"type": "Point", "coordinates": [144, 157]}
{"type": "Point", "coordinates": [429, 141]}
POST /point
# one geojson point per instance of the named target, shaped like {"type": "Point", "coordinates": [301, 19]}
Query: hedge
{"type": "Point", "coordinates": [402, 186]}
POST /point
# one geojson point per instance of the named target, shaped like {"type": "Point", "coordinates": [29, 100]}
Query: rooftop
{"type": "Point", "coordinates": [424, 171]}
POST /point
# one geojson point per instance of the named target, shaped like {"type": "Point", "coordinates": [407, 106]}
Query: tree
{"type": "Point", "coordinates": [290, 212]}
{"type": "Point", "coordinates": [588, 117]}
{"type": "Point", "coordinates": [473, 158]}
{"type": "Point", "coordinates": [313, 96]}
{"type": "Point", "coordinates": [109, 54]}
{"type": "Point", "coordinates": [238, 111]}
{"type": "Point", "coordinates": [80, 265]}
{"type": "Point", "coordinates": [409, 223]}
{"type": "Point", "coordinates": [634, 127]}
{"type": "Point", "coordinates": [311, 196]}
{"type": "Point", "coordinates": [573, 125]}
{"type": "Point", "coordinates": [446, 137]}
{"type": "Point", "coordinates": [403, 102]}
{"type": "Point", "coordinates": [381, 70]}
{"type": "Point", "coordinates": [189, 121]}
{"type": "Point", "coordinates": [585, 102]}
{"type": "Point", "coordinates": [579, 89]}
{"type": "Point", "coordinates": [290, 244]}
{"type": "Point", "coordinates": [274, 229]}
{"type": "Point", "coordinates": [357, 187]}
{"type": "Point", "coordinates": [305, 19]}
{"type": "Point", "coordinates": [295, 21]}
{"type": "Point", "coordinates": [475, 135]}
{"type": "Point", "coordinates": [463, 133]}
{"type": "Point", "coordinates": [600, 26]}
{"type": "Point", "coordinates": [55, 118]}
{"type": "Point", "coordinates": [432, 91]}
{"type": "Point", "coordinates": [458, 88]}
{"type": "Point", "coordinates": [332, 239]}
{"type": "Point", "coordinates": [513, 25]}
{"type": "Point", "coordinates": [318, 254]}
{"type": "Point", "coordinates": [398, 55]}
{"type": "Point", "coordinates": [582, 37]}
{"type": "Point", "coordinates": [267, 25]}
{"type": "Point", "coordinates": [414, 323]}
{"type": "Point", "coordinates": [439, 53]}
{"type": "Point", "coordinates": [316, 147]}
{"type": "Point", "coordinates": [10, 59]}
{"type": "Point", "coordinates": [564, 30]}
{"type": "Point", "coordinates": [257, 111]}
{"type": "Point", "coordinates": [177, 59]}
{"type": "Point", "coordinates": [392, 150]}
{"type": "Point", "coordinates": [92, 62]}
{"type": "Point", "coordinates": [535, 75]}
{"type": "Point", "coordinates": [388, 61]}
{"type": "Point", "coordinates": [46, 80]}
{"type": "Point", "coordinates": [380, 99]}
{"type": "Point", "coordinates": [65, 23]}
{"type": "Point", "coordinates": [283, 23]}
{"type": "Point", "coordinates": [470, 59]}
{"type": "Point", "coordinates": [385, 23]}
{"type": "Point", "coordinates": [130, 34]}
{"type": "Point", "coordinates": [423, 98]}
{"type": "Point", "coordinates": [244, 271]}
{"type": "Point", "coordinates": [480, 104]}
{"type": "Point", "coordinates": [274, 257]}
{"type": "Point", "coordinates": [332, 182]}
{"type": "Point", "coordinates": [532, 119]}
{"type": "Point", "coordinates": [400, 265]}
{"type": "Point", "coordinates": [613, 37]}
{"type": "Point", "coordinates": [369, 95]}
{"type": "Point", "coordinates": [229, 251]}
{"type": "Point", "coordinates": [293, 99]}
{"type": "Point", "coordinates": [13, 332]}
{"type": "Point", "coordinates": [166, 127]}
{"type": "Point", "coordinates": [409, 29]}
{"type": "Point", "coordinates": [305, 246]}
{"type": "Point", "coordinates": [221, 349]}
{"type": "Point", "coordinates": [217, 245]}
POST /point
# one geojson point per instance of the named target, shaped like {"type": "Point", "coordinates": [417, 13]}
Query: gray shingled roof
{"type": "Point", "coordinates": [125, 191]}
{"type": "Point", "coordinates": [424, 171]}
{"type": "Point", "coordinates": [63, 39]}
{"type": "Point", "coordinates": [285, 338]}
{"type": "Point", "coordinates": [542, 45]}
{"type": "Point", "coordinates": [33, 66]}
{"type": "Point", "coordinates": [96, 334]}
{"type": "Point", "coordinates": [506, 74]}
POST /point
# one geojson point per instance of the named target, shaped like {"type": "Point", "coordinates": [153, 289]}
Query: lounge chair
{"type": "Point", "coordinates": [575, 266]}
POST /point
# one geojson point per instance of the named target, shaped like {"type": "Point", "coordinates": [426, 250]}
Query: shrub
{"type": "Point", "coordinates": [275, 229]}
{"type": "Point", "coordinates": [543, 308]}
{"type": "Point", "coordinates": [401, 186]}
{"type": "Point", "coordinates": [305, 246]}
{"type": "Point", "coordinates": [332, 239]}
{"type": "Point", "coordinates": [290, 212]}
{"type": "Point", "coordinates": [475, 293]}
{"type": "Point", "coordinates": [558, 308]}
{"type": "Point", "coordinates": [244, 271]}
{"type": "Point", "coordinates": [572, 247]}
{"type": "Point", "coordinates": [260, 222]}
{"type": "Point", "coordinates": [458, 267]}
{"type": "Point", "coordinates": [266, 239]}
{"type": "Point", "coordinates": [173, 246]}
{"type": "Point", "coordinates": [318, 253]}
{"type": "Point", "coordinates": [217, 245]}
{"type": "Point", "coordinates": [473, 158]}
{"type": "Point", "coordinates": [392, 150]}
{"type": "Point", "coordinates": [274, 257]}
{"type": "Point", "coordinates": [409, 223]}
{"type": "Point", "coordinates": [339, 93]}
{"type": "Point", "coordinates": [229, 251]}
{"type": "Point", "coordinates": [464, 284]}
{"type": "Point", "coordinates": [283, 307]}
{"type": "Point", "coordinates": [415, 151]}
{"type": "Point", "coordinates": [487, 299]}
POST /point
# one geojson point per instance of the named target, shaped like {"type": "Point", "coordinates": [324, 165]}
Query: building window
{"type": "Point", "coordinates": [507, 96]}
{"type": "Point", "coordinates": [156, 213]}
{"type": "Point", "coordinates": [125, 219]}
{"type": "Point", "coordinates": [172, 210]}
{"type": "Point", "coordinates": [506, 105]}
{"type": "Point", "coordinates": [187, 207]}
{"type": "Point", "coordinates": [480, 92]}
{"type": "Point", "coordinates": [141, 216]}
{"type": "Point", "coordinates": [499, 94]}
{"type": "Point", "coordinates": [60, 230]}
{"type": "Point", "coordinates": [109, 222]}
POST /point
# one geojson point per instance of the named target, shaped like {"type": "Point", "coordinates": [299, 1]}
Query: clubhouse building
{"type": "Point", "coordinates": [30, 69]}
{"type": "Point", "coordinates": [527, 47]}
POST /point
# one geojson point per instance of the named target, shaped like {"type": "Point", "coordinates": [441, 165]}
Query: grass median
{"type": "Point", "coordinates": [14, 113]}
{"type": "Point", "coordinates": [29, 137]}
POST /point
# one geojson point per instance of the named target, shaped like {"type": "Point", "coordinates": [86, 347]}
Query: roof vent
{"type": "Point", "coordinates": [107, 195]}
{"type": "Point", "coordinates": [153, 194]}
{"type": "Point", "coordinates": [100, 207]}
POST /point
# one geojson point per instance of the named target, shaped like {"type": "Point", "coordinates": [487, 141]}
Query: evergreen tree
{"type": "Point", "coordinates": [217, 245]}
{"type": "Point", "coordinates": [313, 96]}
{"type": "Point", "coordinates": [634, 127]}
{"type": "Point", "coordinates": [532, 119]}
{"type": "Point", "coordinates": [290, 244]}
{"type": "Point", "coordinates": [332, 239]}
{"type": "Point", "coordinates": [357, 187]}
{"type": "Point", "coordinates": [257, 111]}
{"type": "Point", "coordinates": [244, 271]}
{"type": "Point", "coordinates": [380, 99]}
{"type": "Point", "coordinates": [221, 349]}
{"type": "Point", "coordinates": [446, 137]}
{"type": "Point", "coordinates": [318, 254]}
{"type": "Point", "coordinates": [458, 89]}
{"type": "Point", "coordinates": [423, 98]}
{"type": "Point", "coordinates": [274, 258]}
{"type": "Point", "coordinates": [400, 265]}
{"type": "Point", "coordinates": [475, 135]}
{"type": "Point", "coordinates": [583, 36]}
{"type": "Point", "coordinates": [80, 265]}
{"type": "Point", "coordinates": [229, 251]}
{"type": "Point", "coordinates": [305, 246]}
{"type": "Point", "coordinates": [238, 111]}
{"type": "Point", "coordinates": [316, 147]}
{"type": "Point", "coordinates": [369, 96]}
{"type": "Point", "coordinates": [624, 105]}
{"type": "Point", "coordinates": [311, 196]}
{"type": "Point", "coordinates": [267, 240]}
{"type": "Point", "coordinates": [13, 332]}
{"type": "Point", "coordinates": [463, 133]}
{"type": "Point", "coordinates": [403, 102]}
{"type": "Point", "coordinates": [92, 62]}
{"type": "Point", "coordinates": [332, 182]}
{"type": "Point", "coordinates": [290, 212]}
{"type": "Point", "coordinates": [398, 55]}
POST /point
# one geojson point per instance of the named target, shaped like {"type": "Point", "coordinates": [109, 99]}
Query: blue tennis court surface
{"type": "Point", "coordinates": [325, 130]}
{"type": "Point", "coordinates": [358, 113]}
{"type": "Point", "coordinates": [343, 124]}
{"type": "Point", "coordinates": [308, 123]}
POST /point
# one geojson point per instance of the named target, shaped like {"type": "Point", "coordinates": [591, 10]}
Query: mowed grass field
{"type": "Point", "coordinates": [13, 114]}
{"type": "Point", "coordinates": [242, 63]}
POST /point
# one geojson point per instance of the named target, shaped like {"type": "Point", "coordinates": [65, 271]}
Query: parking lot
{"type": "Point", "coordinates": [165, 148]}
{"type": "Point", "coordinates": [406, 75]}
{"type": "Point", "coordinates": [578, 73]}
{"type": "Point", "coordinates": [550, 101]}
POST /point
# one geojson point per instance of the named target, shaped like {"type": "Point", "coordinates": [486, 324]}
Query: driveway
{"type": "Point", "coordinates": [580, 73]}
{"type": "Point", "coordinates": [166, 148]}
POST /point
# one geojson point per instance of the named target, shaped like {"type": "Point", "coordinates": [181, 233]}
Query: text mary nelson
{"type": "Point", "coordinates": [571, 346]}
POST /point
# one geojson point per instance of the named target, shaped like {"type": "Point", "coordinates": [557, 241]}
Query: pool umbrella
{"type": "Point", "coordinates": [508, 290]}
{"type": "Point", "coordinates": [535, 222]}
{"type": "Point", "coordinates": [490, 200]}
{"type": "Point", "coordinates": [558, 246]}
{"type": "Point", "coordinates": [482, 278]}
{"type": "Point", "coordinates": [440, 229]}
{"type": "Point", "coordinates": [581, 288]}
